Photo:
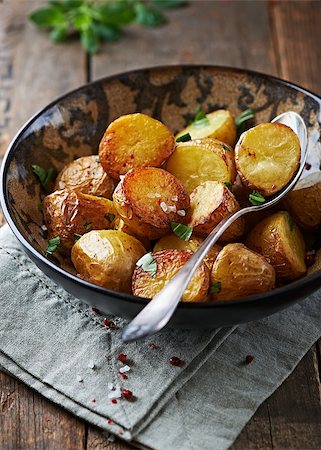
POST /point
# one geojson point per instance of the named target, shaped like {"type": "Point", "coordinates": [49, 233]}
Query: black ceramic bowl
{"type": "Point", "coordinates": [73, 125]}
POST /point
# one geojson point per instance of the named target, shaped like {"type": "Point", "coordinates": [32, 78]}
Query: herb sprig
{"type": "Point", "coordinates": [182, 231]}
{"type": "Point", "coordinates": [200, 118]}
{"type": "Point", "coordinates": [148, 264]}
{"type": "Point", "coordinates": [246, 115]}
{"type": "Point", "coordinates": [216, 288]}
{"type": "Point", "coordinates": [256, 198]}
{"type": "Point", "coordinates": [53, 245]}
{"type": "Point", "coordinates": [184, 138]}
{"type": "Point", "coordinates": [98, 21]}
{"type": "Point", "coordinates": [44, 175]}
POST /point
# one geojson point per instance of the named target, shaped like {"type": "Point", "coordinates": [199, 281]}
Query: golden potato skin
{"type": "Point", "coordinates": [86, 175]}
{"type": "Point", "coordinates": [220, 125]}
{"type": "Point", "coordinates": [134, 140]}
{"type": "Point", "coordinates": [107, 258]}
{"type": "Point", "coordinates": [281, 242]}
{"type": "Point", "coordinates": [197, 161]}
{"type": "Point", "coordinates": [241, 272]}
{"type": "Point", "coordinates": [121, 226]}
{"type": "Point", "coordinates": [267, 156]}
{"type": "Point", "coordinates": [211, 202]}
{"type": "Point", "coordinates": [173, 241]}
{"type": "Point", "coordinates": [140, 196]}
{"type": "Point", "coordinates": [69, 212]}
{"type": "Point", "coordinates": [304, 205]}
{"type": "Point", "coordinates": [169, 262]}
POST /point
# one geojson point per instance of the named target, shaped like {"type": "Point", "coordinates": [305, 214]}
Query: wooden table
{"type": "Point", "coordinates": [280, 38]}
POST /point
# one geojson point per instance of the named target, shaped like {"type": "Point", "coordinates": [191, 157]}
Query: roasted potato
{"type": "Point", "coordinates": [86, 175]}
{"type": "Point", "coordinates": [316, 264]}
{"type": "Point", "coordinates": [149, 199]}
{"type": "Point", "coordinates": [107, 258]}
{"type": "Point", "coordinates": [267, 156]}
{"type": "Point", "coordinates": [134, 140]}
{"type": "Point", "coordinates": [279, 239]}
{"type": "Point", "coordinates": [195, 162]}
{"type": "Point", "coordinates": [172, 241]}
{"type": "Point", "coordinates": [68, 214]}
{"type": "Point", "coordinates": [217, 124]}
{"type": "Point", "coordinates": [121, 226]}
{"type": "Point", "coordinates": [168, 263]}
{"type": "Point", "coordinates": [304, 205]}
{"type": "Point", "coordinates": [210, 203]}
{"type": "Point", "coordinates": [239, 272]}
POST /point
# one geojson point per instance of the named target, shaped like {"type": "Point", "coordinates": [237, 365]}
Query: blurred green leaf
{"type": "Point", "coordinates": [89, 40]}
{"type": "Point", "coordinates": [59, 34]}
{"type": "Point", "coordinates": [81, 20]}
{"type": "Point", "coordinates": [148, 16]}
{"type": "Point", "coordinates": [107, 33]}
{"type": "Point", "coordinates": [119, 13]}
{"type": "Point", "coordinates": [47, 17]}
{"type": "Point", "coordinates": [164, 4]}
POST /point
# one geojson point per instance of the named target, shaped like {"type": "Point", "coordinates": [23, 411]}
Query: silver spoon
{"type": "Point", "coordinates": [160, 309]}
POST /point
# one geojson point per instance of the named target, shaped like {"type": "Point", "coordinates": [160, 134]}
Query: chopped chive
{"type": "Point", "coordinates": [77, 236]}
{"type": "Point", "coordinates": [88, 225]}
{"type": "Point", "coordinates": [216, 288]}
{"type": "Point", "coordinates": [243, 117]}
{"type": "Point", "coordinates": [43, 175]}
{"type": "Point", "coordinates": [200, 118]}
{"type": "Point", "coordinates": [184, 138]}
{"type": "Point", "coordinates": [52, 246]}
{"type": "Point", "coordinates": [256, 198]}
{"type": "Point", "coordinates": [228, 184]}
{"type": "Point", "coordinates": [148, 264]}
{"type": "Point", "coordinates": [182, 231]}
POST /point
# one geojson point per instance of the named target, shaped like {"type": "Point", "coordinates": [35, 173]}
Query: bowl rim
{"type": "Point", "coordinates": [270, 295]}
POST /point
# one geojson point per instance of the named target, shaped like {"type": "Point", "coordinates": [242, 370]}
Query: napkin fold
{"type": "Point", "coordinates": [61, 347]}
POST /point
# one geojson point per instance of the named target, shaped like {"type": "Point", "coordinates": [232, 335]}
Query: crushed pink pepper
{"type": "Point", "coordinates": [127, 394]}
{"type": "Point", "coordinates": [108, 323]}
{"type": "Point", "coordinates": [249, 359]}
{"type": "Point", "coordinates": [110, 421]}
{"type": "Point", "coordinates": [123, 375]}
{"type": "Point", "coordinates": [122, 357]}
{"type": "Point", "coordinates": [94, 400]}
{"type": "Point", "coordinates": [176, 361]}
{"type": "Point", "coordinates": [114, 401]}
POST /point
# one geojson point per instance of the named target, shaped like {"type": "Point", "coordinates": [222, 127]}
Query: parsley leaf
{"type": "Point", "coordinates": [228, 184]}
{"type": "Point", "coordinates": [184, 138]}
{"type": "Point", "coordinates": [182, 231]}
{"type": "Point", "coordinates": [148, 264]}
{"type": "Point", "coordinates": [44, 175]}
{"type": "Point", "coordinates": [52, 246]}
{"type": "Point", "coordinates": [242, 118]}
{"type": "Point", "coordinates": [200, 118]}
{"type": "Point", "coordinates": [256, 198]}
{"type": "Point", "coordinates": [216, 288]}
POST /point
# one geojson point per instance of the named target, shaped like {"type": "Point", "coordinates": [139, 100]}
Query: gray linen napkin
{"type": "Point", "coordinates": [61, 348]}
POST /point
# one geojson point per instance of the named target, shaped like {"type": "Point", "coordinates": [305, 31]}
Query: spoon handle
{"type": "Point", "coordinates": [160, 309]}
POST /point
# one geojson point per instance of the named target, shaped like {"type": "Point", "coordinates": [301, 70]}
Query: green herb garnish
{"type": "Point", "coordinates": [242, 118]}
{"type": "Point", "coordinates": [290, 220]}
{"type": "Point", "coordinates": [256, 198]}
{"type": "Point", "coordinates": [88, 225]}
{"type": "Point", "coordinates": [77, 237]}
{"type": "Point", "coordinates": [228, 184]}
{"type": "Point", "coordinates": [226, 147]}
{"type": "Point", "coordinates": [184, 138]}
{"type": "Point", "coordinates": [110, 217]}
{"type": "Point", "coordinates": [98, 21]}
{"type": "Point", "coordinates": [52, 246]}
{"type": "Point", "coordinates": [44, 175]}
{"type": "Point", "coordinates": [200, 118]}
{"type": "Point", "coordinates": [182, 231]}
{"type": "Point", "coordinates": [216, 288]}
{"type": "Point", "coordinates": [148, 264]}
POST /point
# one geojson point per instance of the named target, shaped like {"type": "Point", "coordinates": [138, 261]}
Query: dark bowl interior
{"type": "Point", "coordinates": [73, 125]}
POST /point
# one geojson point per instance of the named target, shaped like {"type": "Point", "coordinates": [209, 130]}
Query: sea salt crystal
{"type": "Point", "coordinates": [171, 208]}
{"type": "Point", "coordinates": [44, 228]}
{"type": "Point", "coordinates": [61, 185]}
{"type": "Point", "coordinates": [91, 365]}
{"type": "Point", "coordinates": [157, 195]}
{"type": "Point", "coordinates": [79, 379]}
{"type": "Point", "coordinates": [175, 198]}
{"type": "Point", "coordinates": [115, 394]}
{"type": "Point", "coordinates": [164, 206]}
{"type": "Point", "coordinates": [181, 212]}
{"type": "Point", "coordinates": [111, 386]}
{"type": "Point", "coordinates": [124, 369]}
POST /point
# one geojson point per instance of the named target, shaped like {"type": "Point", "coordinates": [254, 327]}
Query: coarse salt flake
{"type": "Point", "coordinates": [124, 369]}
{"type": "Point", "coordinates": [115, 394]}
{"type": "Point", "coordinates": [79, 378]}
{"type": "Point", "coordinates": [44, 228]}
{"type": "Point", "coordinates": [171, 208]}
{"type": "Point", "coordinates": [91, 365]}
{"type": "Point", "coordinates": [181, 212]}
{"type": "Point", "coordinates": [111, 386]}
{"type": "Point", "coordinates": [164, 206]}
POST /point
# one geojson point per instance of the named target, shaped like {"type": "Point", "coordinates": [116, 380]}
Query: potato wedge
{"type": "Point", "coordinates": [267, 156]}
{"type": "Point", "coordinates": [134, 140]}
{"type": "Point", "coordinates": [239, 272]}
{"type": "Point", "coordinates": [107, 258]}
{"type": "Point", "coordinates": [195, 162]}
{"type": "Point", "coordinates": [304, 205]}
{"type": "Point", "coordinates": [121, 226]}
{"type": "Point", "coordinates": [168, 263]}
{"type": "Point", "coordinates": [211, 202]}
{"type": "Point", "coordinates": [86, 175]}
{"type": "Point", "coordinates": [173, 241]}
{"type": "Point", "coordinates": [279, 239]}
{"type": "Point", "coordinates": [70, 213]}
{"type": "Point", "coordinates": [218, 124]}
{"type": "Point", "coordinates": [149, 199]}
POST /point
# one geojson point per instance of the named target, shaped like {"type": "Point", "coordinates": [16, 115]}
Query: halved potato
{"type": "Point", "coordinates": [107, 258]}
{"type": "Point", "coordinates": [211, 202]}
{"type": "Point", "coordinates": [218, 124]}
{"type": "Point", "coordinates": [267, 156]}
{"type": "Point", "coordinates": [69, 213]}
{"type": "Point", "coordinates": [239, 272]}
{"type": "Point", "coordinates": [304, 205]}
{"type": "Point", "coordinates": [279, 239]}
{"type": "Point", "coordinates": [120, 225]}
{"type": "Point", "coordinates": [195, 162]}
{"type": "Point", "coordinates": [173, 241]}
{"type": "Point", "coordinates": [168, 263]}
{"type": "Point", "coordinates": [149, 199]}
{"type": "Point", "coordinates": [134, 140]}
{"type": "Point", "coordinates": [85, 175]}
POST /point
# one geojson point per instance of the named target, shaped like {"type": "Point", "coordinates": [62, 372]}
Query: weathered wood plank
{"type": "Point", "coordinates": [98, 440]}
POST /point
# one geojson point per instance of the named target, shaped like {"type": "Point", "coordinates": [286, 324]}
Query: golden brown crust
{"type": "Point", "coordinates": [281, 242]}
{"type": "Point", "coordinates": [67, 213]}
{"type": "Point", "coordinates": [220, 125]}
{"type": "Point", "coordinates": [239, 272]}
{"type": "Point", "coordinates": [134, 140]}
{"type": "Point", "coordinates": [149, 199]}
{"type": "Point", "coordinates": [267, 156]}
{"type": "Point", "coordinates": [304, 205]}
{"type": "Point", "coordinates": [169, 262]}
{"type": "Point", "coordinates": [85, 175]}
{"type": "Point", "coordinates": [173, 241]}
{"type": "Point", "coordinates": [107, 258]}
{"type": "Point", "coordinates": [197, 161]}
{"type": "Point", "coordinates": [120, 225]}
{"type": "Point", "coordinates": [211, 202]}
